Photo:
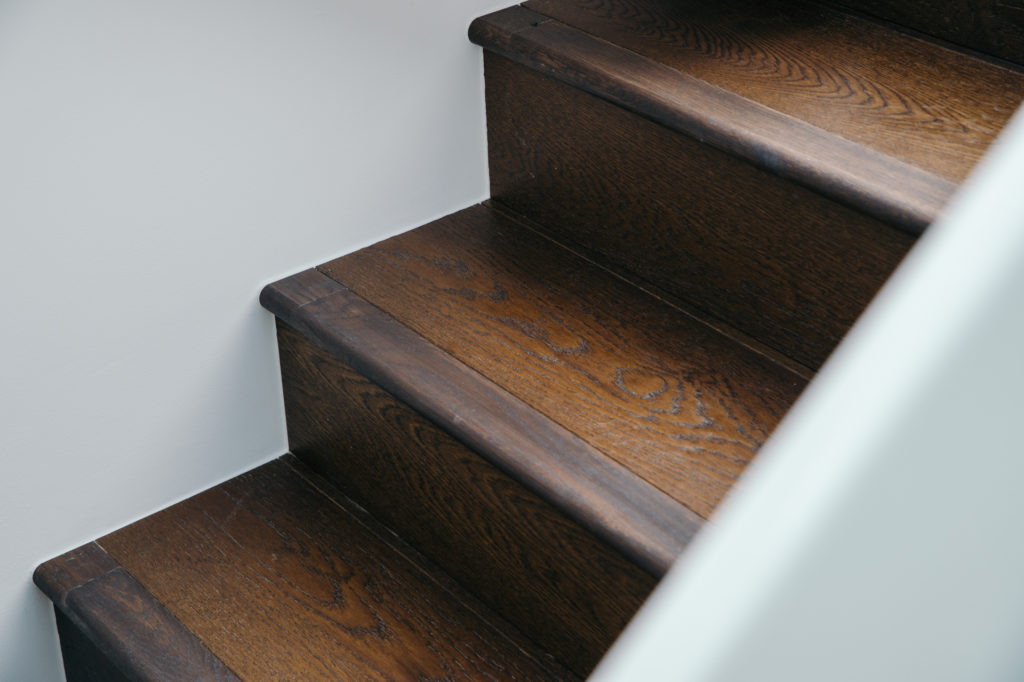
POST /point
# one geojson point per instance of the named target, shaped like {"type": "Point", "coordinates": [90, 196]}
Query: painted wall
{"type": "Point", "coordinates": [878, 534]}
{"type": "Point", "coordinates": [159, 162]}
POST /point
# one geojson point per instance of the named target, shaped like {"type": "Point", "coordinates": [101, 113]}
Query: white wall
{"type": "Point", "coordinates": [878, 535]}
{"type": "Point", "coordinates": [159, 162]}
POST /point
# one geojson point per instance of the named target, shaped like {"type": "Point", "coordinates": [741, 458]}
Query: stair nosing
{"type": "Point", "coordinates": [79, 581]}
{"type": "Point", "coordinates": [639, 520]}
{"type": "Point", "coordinates": [905, 196]}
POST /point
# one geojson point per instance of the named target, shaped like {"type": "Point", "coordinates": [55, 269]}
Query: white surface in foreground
{"type": "Point", "coordinates": [878, 535]}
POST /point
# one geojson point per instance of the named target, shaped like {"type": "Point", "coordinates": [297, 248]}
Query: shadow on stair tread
{"type": "Point", "coordinates": [275, 579]}
{"type": "Point", "coordinates": [992, 27]}
{"type": "Point", "coordinates": [741, 244]}
{"type": "Point", "coordinates": [668, 398]}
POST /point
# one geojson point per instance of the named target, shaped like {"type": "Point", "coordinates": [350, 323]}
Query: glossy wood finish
{"type": "Point", "coordinates": [616, 505]}
{"type": "Point", "coordinates": [285, 582]}
{"type": "Point", "coordinates": [778, 262]}
{"type": "Point", "coordinates": [857, 176]}
{"type": "Point", "coordinates": [668, 398]}
{"type": "Point", "coordinates": [995, 27]}
{"type": "Point", "coordinates": [905, 97]}
{"type": "Point", "coordinates": [113, 622]}
{"type": "Point", "coordinates": [526, 560]}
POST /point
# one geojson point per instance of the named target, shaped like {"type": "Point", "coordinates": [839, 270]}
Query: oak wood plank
{"type": "Point", "coordinates": [112, 621]}
{"type": "Point", "coordinates": [284, 583]}
{"type": "Point", "coordinates": [866, 179]}
{"type": "Point", "coordinates": [525, 559]}
{"type": "Point", "coordinates": [908, 98]}
{"type": "Point", "coordinates": [614, 503]}
{"type": "Point", "coordinates": [665, 396]}
{"type": "Point", "coordinates": [780, 263]}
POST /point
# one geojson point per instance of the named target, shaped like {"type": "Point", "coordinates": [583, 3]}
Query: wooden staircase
{"type": "Point", "coordinates": [506, 424]}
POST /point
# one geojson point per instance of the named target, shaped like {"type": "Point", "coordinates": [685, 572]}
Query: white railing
{"type": "Point", "coordinates": [879, 535]}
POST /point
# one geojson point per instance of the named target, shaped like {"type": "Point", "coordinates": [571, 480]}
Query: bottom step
{"type": "Point", "coordinates": [272, 576]}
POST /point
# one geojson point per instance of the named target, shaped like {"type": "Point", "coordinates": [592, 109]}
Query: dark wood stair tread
{"type": "Point", "coordinates": [901, 95]}
{"type": "Point", "coordinates": [279, 579]}
{"type": "Point", "coordinates": [670, 399]}
{"type": "Point", "coordinates": [884, 122]}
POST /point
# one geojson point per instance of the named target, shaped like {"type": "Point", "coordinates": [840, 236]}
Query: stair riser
{"type": "Point", "coordinates": [83, 661]}
{"type": "Point", "coordinates": [568, 591]}
{"type": "Point", "coordinates": [995, 27]}
{"type": "Point", "coordinates": [767, 256]}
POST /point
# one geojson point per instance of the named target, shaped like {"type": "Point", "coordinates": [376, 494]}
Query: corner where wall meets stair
{"type": "Point", "coordinates": [505, 425]}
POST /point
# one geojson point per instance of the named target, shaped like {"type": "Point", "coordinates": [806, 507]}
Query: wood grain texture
{"type": "Point", "coordinates": [866, 179]}
{"type": "Point", "coordinates": [919, 102]}
{"type": "Point", "coordinates": [59, 575]}
{"type": "Point", "coordinates": [780, 263]}
{"type": "Point", "coordinates": [545, 574]}
{"type": "Point", "coordinates": [286, 584]}
{"type": "Point", "coordinates": [668, 398]}
{"type": "Point", "coordinates": [616, 505]}
{"type": "Point", "coordinates": [125, 626]}
{"type": "Point", "coordinates": [995, 27]}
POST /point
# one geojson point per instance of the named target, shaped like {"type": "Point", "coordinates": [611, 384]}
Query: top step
{"type": "Point", "coordinates": [881, 121]}
{"type": "Point", "coordinates": [995, 27]}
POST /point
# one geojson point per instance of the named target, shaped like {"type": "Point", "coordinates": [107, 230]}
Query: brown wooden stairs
{"type": "Point", "coordinates": [506, 424]}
